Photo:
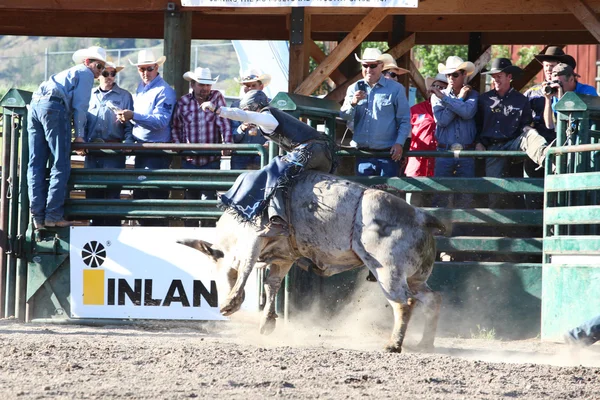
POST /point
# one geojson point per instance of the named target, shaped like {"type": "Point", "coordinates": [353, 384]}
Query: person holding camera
{"type": "Point", "coordinates": [564, 79]}
{"type": "Point", "coordinates": [381, 115]}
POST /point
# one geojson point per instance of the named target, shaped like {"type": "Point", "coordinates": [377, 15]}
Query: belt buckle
{"type": "Point", "coordinates": [456, 147]}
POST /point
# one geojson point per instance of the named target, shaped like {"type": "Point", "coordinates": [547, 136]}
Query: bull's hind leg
{"type": "Point", "coordinates": [402, 313]}
{"type": "Point", "coordinates": [272, 284]}
{"type": "Point", "coordinates": [431, 302]}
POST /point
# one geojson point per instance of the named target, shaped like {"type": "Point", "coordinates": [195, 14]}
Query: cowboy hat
{"type": "Point", "coordinates": [146, 57]}
{"type": "Point", "coordinates": [503, 65]}
{"type": "Point", "coordinates": [455, 63]}
{"type": "Point", "coordinates": [439, 77]}
{"type": "Point", "coordinates": [253, 75]}
{"type": "Point", "coordinates": [390, 63]}
{"type": "Point", "coordinates": [111, 64]}
{"type": "Point", "coordinates": [200, 75]}
{"type": "Point", "coordinates": [92, 53]}
{"type": "Point", "coordinates": [369, 55]}
{"type": "Point", "coordinates": [556, 53]}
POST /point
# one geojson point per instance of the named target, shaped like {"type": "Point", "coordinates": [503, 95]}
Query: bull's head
{"type": "Point", "coordinates": [204, 247]}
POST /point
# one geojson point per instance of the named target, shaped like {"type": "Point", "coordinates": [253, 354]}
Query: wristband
{"type": "Point", "coordinates": [216, 109]}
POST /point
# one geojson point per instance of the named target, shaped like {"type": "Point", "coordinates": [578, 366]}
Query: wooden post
{"type": "Point", "coordinates": [585, 15]}
{"type": "Point", "coordinates": [397, 35]}
{"type": "Point", "coordinates": [300, 42]}
{"type": "Point", "coordinates": [476, 49]}
{"type": "Point", "coordinates": [178, 42]}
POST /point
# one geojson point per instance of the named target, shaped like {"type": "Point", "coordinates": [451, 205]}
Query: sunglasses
{"type": "Point", "coordinates": [454, 74]}
{"type": "Point", "coordinates": [372, 66]}
{"type": "Point", "coordinates": [144, 69]}
{"type": "Point", "coordinates": [99, 65]}
{"type": "Point", "coordinates": [107, 74]}
{"type": "Point", "coordinates": [438, 87]}
{"type": "Point", "coordinates": [391, 74]}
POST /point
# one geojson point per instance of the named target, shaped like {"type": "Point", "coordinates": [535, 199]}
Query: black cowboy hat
{"type": "Point", "coordinates": [556, 53]}
{"type": "Point", "coordinates": [503, 65]}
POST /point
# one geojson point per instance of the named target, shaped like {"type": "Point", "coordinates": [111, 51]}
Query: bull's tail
{"type": "Point", "coordinates": [433, 223]}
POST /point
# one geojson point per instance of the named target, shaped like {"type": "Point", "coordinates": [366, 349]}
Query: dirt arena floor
{"type": "Point", "coordinates": [229, 360]}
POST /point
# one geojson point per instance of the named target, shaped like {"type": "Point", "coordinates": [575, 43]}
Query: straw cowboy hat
{"type": "Point", "coordinates": [439, 77]}
{"type": "Point", "coordinates": [369, 55]}
{"type": "Point", "coordinates": [390, 64]}
{"type": "Point", "coordinates": [146, 57]}
{"type": "Point", "coordinates": [200, 75]}
{"type": "Point", "coordinates": [503, 65]}
{"type": "Point", "coordinates": [93, 53]}
{"type": "Point", "coordinates": [111, 64]}
{"type": "Point", "coordinates": [253, 75]}
{"type": "Point", "coordinates": [453, 64]}
{"type": "Point", "coordinates": [555, 53]}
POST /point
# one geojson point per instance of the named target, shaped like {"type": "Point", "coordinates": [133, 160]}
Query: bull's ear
{"type": "Point", "coordinates": [204, 247]}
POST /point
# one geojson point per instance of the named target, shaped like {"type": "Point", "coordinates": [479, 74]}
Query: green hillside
{"type": "Point", "coordinates": [26, 60]}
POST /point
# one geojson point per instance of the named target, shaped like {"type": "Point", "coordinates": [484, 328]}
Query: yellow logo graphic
{"type": "Point", "coordinates": [93, 255]}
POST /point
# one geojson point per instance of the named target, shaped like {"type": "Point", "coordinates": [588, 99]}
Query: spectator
{"type": "Point", "coordinates": [423, 136]}
{"type": "Point", "coordinates": [379, 110]}
{"type": "Point", "coordinates": [153, 104]}
{"type": "Point", "coordinates": [191, 124]}
{"type": "Point", "coordinates": [503, 120]}
{"type": "Point", "coordinates": [454, 110]}
{"type": "Point", "coordinates": [245, 133]}
{"type": "Point", "coordinates": [564, 79]}
{"type": "Point", "coordinates": [103, 126]}
{"type": "Point", "coordinates": [57, 106]}
{"type": "Point", "coordinates": [391, 70]}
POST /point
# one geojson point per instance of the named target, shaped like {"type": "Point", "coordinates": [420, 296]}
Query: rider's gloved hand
{"type": "Point", "coordinates": [207, 106]}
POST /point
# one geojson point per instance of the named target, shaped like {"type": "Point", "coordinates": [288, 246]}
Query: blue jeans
{"type": "Point", "coordinates": [104, 161]}
{"type": "Point", "coordinates": [49, 140]}
{"type": "Point", "coordinates": [245, 162]}
{"type": "Point", "coordinates": [454, 167]}
{"type": "Point", "coordinates": [371, 166]}
{"type": "Point", "coordinates": [151, 162]}
{"type": "Point", "coordinates": [587, 333]}
{"type": "Point", "coordinates": [195, 194]}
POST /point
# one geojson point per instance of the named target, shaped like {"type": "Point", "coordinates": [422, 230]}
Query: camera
{"type": "Point", "coordinates": [362, 86]}
{"type": "Point", "coordinates": [548, 89]}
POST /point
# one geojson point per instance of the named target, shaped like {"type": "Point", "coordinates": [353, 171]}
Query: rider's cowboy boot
{"type": "Point", "coordinates": [276, 227]}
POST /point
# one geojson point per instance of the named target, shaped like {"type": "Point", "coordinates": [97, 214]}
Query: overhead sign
{"type": "Point", "coordinates": [142, 272]}
{"type": "Point", "coordinates": [300, 3]}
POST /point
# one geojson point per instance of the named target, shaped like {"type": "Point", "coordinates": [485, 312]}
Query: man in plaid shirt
{"type": "Point", "coordinates": [193, 125]}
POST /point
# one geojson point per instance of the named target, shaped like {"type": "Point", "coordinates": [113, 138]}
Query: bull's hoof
{"type": "Point", "coordinates": [230, 307]}
{"type": "Point", "coordinates": [425, 348]}
{"type": "Point", "coordinates": [393, 348]}
{"type": "Point", "coordinates": [267, 327]}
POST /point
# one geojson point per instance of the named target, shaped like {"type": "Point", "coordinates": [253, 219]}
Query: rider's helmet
{"type": "Point", "coordinates": [254, 100]}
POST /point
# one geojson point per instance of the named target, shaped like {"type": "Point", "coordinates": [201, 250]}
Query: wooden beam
{"type": "Point", "coordinates": [317, 54]}
{"type": "Point", "coordinates": [529, 72]}
{"type": "Point", "coordinates": [397, 51]}
{"type": "Point", "coordinates": [431, 38]}
{"type": "Point", "coordinates": [480, 63]}
{"type": "Point", "coordinates": [358, 34]}
{"type": "Point", "coordinates": [177, 45]}
{"type": "Point", "coordinates": [586, 16]}
{"type": "Point", "coordinates": [482, 23]}
{"type": "Point", "coordinates": [418, 79]}
{"type": "Point", "coordinates": [299, 47]}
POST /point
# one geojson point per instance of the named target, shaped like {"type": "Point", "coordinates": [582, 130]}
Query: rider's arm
{"type": "Point", "coordinates": [264, 120]}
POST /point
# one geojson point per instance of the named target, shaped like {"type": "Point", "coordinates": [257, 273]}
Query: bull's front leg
{"type": "Point", "coordinates": [272, 285]}
{"type": "Point", "coordinates": [402, 313]}
{"type": "Point", "coordinates": [235, 298]}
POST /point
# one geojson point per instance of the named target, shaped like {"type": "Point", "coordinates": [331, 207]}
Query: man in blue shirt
{"type": "Point", "coordinates": [381, 115]}
{"type": "Point", "coordinates": [503, 120]}
{"type": "Point", "coordinates": [564, 79]}
{"type": "Point", "coordinates": [153, 105]}
{"type": "Point", "coordinates": [57, 106]}
{"type": "Point", "coordinates": [102, 126]}
{"type": "Point", "coordinates": [454, 111]}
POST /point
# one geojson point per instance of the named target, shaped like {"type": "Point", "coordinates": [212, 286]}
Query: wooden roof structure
{"type": "Point", "coordinates": [477, 23]}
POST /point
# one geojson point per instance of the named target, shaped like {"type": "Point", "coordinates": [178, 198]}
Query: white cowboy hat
{"type": "Point", "coordinates": [455, 63]}
{"type": "Point", "coordinates": [439, 77]}
{"type": "Point", "coordinates": [390, 63]}
{"type": "Point", "coordinates": [253, 75]}
{"type": "Point", "coordinates": [93, 53]}
{"type": "Point", "coordinates": [111, 64]}
{"type": "Point", "coordinates": [146, 57]}
{"type": "Point", "coordinates": [200, 75]}
{"type": "Point", "coordinates": [369, 55]}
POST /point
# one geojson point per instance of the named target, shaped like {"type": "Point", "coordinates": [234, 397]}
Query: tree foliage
{"type": "Point", "coordinates": [428, 57]}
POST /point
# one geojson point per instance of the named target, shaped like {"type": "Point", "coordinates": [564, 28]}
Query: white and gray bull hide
{"type": "Point", "coordinates": [339, 225]}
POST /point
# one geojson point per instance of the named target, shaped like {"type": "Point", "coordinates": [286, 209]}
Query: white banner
{"type": "Point", "coordinates": [300, 3]}
{"type": "Point", "coordinates": [142, 272]}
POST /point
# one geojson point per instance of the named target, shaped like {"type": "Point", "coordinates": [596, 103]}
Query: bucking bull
{"type": "Point", "coordinates": [339, 225]}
